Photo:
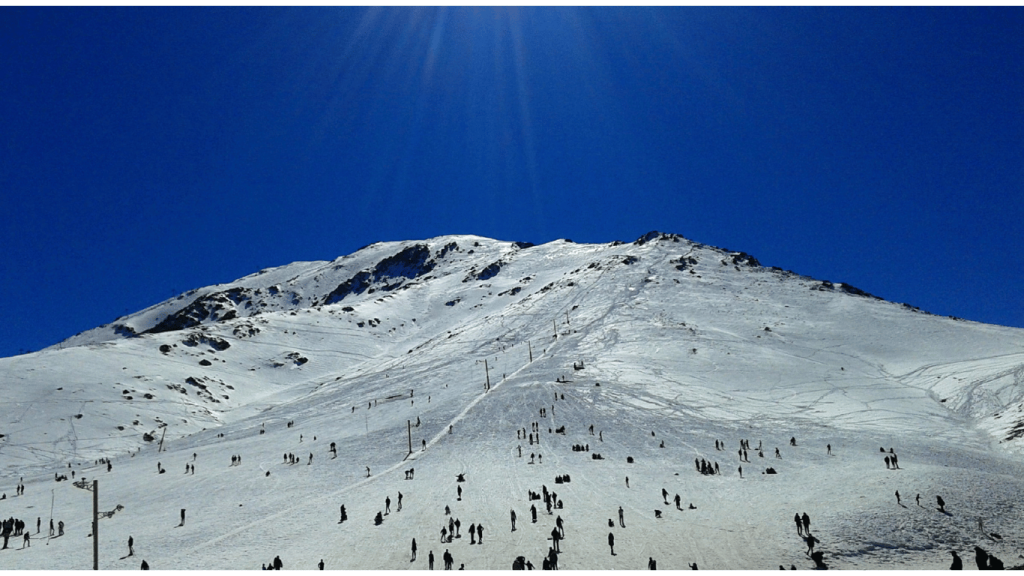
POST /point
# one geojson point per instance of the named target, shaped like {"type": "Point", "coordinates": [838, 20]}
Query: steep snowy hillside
{"type": "Point", "coordinates": [456, 345]}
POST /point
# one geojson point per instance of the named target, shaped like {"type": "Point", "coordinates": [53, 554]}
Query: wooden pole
{"type": "Point", "coordinates": [409, 425]}
{"type": "Point", "coordinates": [487, 374]}
{"type": "Point", "coordinates": [95, 524]}
{"type": "Point", "coordinates": [162, 434]}
{"type": "Point", "coordinates": [528, 344]}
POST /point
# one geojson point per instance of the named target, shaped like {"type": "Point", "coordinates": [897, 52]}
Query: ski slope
{"type": "Point", "coordinates": [680, 343]}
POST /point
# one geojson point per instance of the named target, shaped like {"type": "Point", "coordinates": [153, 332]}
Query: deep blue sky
{"type": "Point", "coordinates": [148, 151]}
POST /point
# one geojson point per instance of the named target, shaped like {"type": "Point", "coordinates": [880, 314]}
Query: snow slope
{"type": "Point", "coordinates": [680, 343]}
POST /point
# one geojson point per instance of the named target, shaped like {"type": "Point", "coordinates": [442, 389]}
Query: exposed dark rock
{"type": "Point", "coordinates": [204, 362]}
{"type": "Point", "coordinates": [514, 291]}
{"type": "Point", "coordinates": [451, 246]}
{"type": "Point", "coordinates": [125, 330]}
{"type": "Point", "coordinates": [195, 339]}
{"type": "Point", "coordinates": [744, 258]}
{"type": "Point", "coordinates": [630, 260]}
{"type": "Point", "coordinates": [165, 348]}
{"type": "Point", "coordinates": [410, 263]}
{"type": "Point", "coordinates": [523, 245]}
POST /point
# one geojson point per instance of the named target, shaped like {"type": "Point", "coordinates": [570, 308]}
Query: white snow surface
{"type": "Point", "coordinates": [680, 343]}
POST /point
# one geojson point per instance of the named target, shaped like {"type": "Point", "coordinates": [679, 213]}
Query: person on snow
{"type": "Point", "coordinates": [145, 565]}
{"type": "Point", "coordinates": [413, 553]}
{"type": "Point", "coordinates": [320, 564]}
{"type": "Point", "coordinates": [555, 537]}
{"type": "Point", "coordinates": [958, 564]}
{"type": "Point", "coordinates": [811, 541]}
{"type": "Point", "coordinates": [387, 505]}
{"type": "Point", "coordinates": [479, 533]}
{"type": "Point", "coordinates": [513, 513]}
{"type": "Point", "coordinates": [799, 526]}
{"type": "Point", "coordinates": [677, 500]}
{"type": "Point", "coordinates": [277, 563]}
{"type": "Point", "coordinates": [472, 534]}
{"type": "Point", "coordinates": [399, 509]}
{"type": "Point", "coordinates": [611, 542]}
{"type": "Point", "coordinates": [651, 564]}
{"type": "Point", "coordinates": [131, 546]}
{"type": "Point", "coordinates": [430, 560]}
{"type": "Point", "coordinates": [807, 523]}
{"type": "Point", "coordinates": [941, 503]}
{"type": "Point", "coordinates": [898, 498]}
{"type": "Point", "coordinates": [533, 512]}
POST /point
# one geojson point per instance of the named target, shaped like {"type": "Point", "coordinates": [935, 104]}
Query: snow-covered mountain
{"type": "Point", "coordinates": [658, 342]}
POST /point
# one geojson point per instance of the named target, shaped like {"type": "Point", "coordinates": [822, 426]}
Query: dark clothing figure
{"type": "Point", "coordinates": [479, 533]}
{"type": "Point", "coordinates": [611, 542]}
{"type": "Point", "coordinates": [533, 512]}
{"type": "Point", "coordinates": [320, 564]}
{"type": "Point", "coordinates": [811, 541]}
{"type": "Point", "coordinates": [277, 563]}
{"type": "Point", "coordinates": [918, 499]}
{"type": "Point", "coordinates": [807, 523]}
{"type": "Point", "coordinates": [981, 558]}
{"type": "Point", "coordinates": [799, 526]}
{"type": "Point", "coordinates": [651, 564]}
{"type": "Point", "coordinates": [621, 521]}
{"type": "Point", "coordinates": [448, 560]}
{"type": "Point", "coordinates": [513, 512]}
{"type": "Point", "coordinates": [941, 503]}
{"type": "Point", "coordinates": [430, 560]}
{"type": "Point", "coordinates": [182, 517]}
{"type": "Point", "coordinates": [472, 534]}
{"type": "Point", "coordinates": [387, 505]}
{"type": "Point", "coordinates": [829, 447]}
{"type": "Point", "coordinates": [413, 552]}
{"type": "Point", "coordinates": [131, 546]}
{"type": "Point", "coordinates": [145, 566]}
{"type": "Point", "coordinates": [819, 561]}
{"type": "Point", "coordinates": [898, 498]}
{"type": "Point", "coordinates": [886, 462]}
{"type": "Point", "coordinates": [958, 564]}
